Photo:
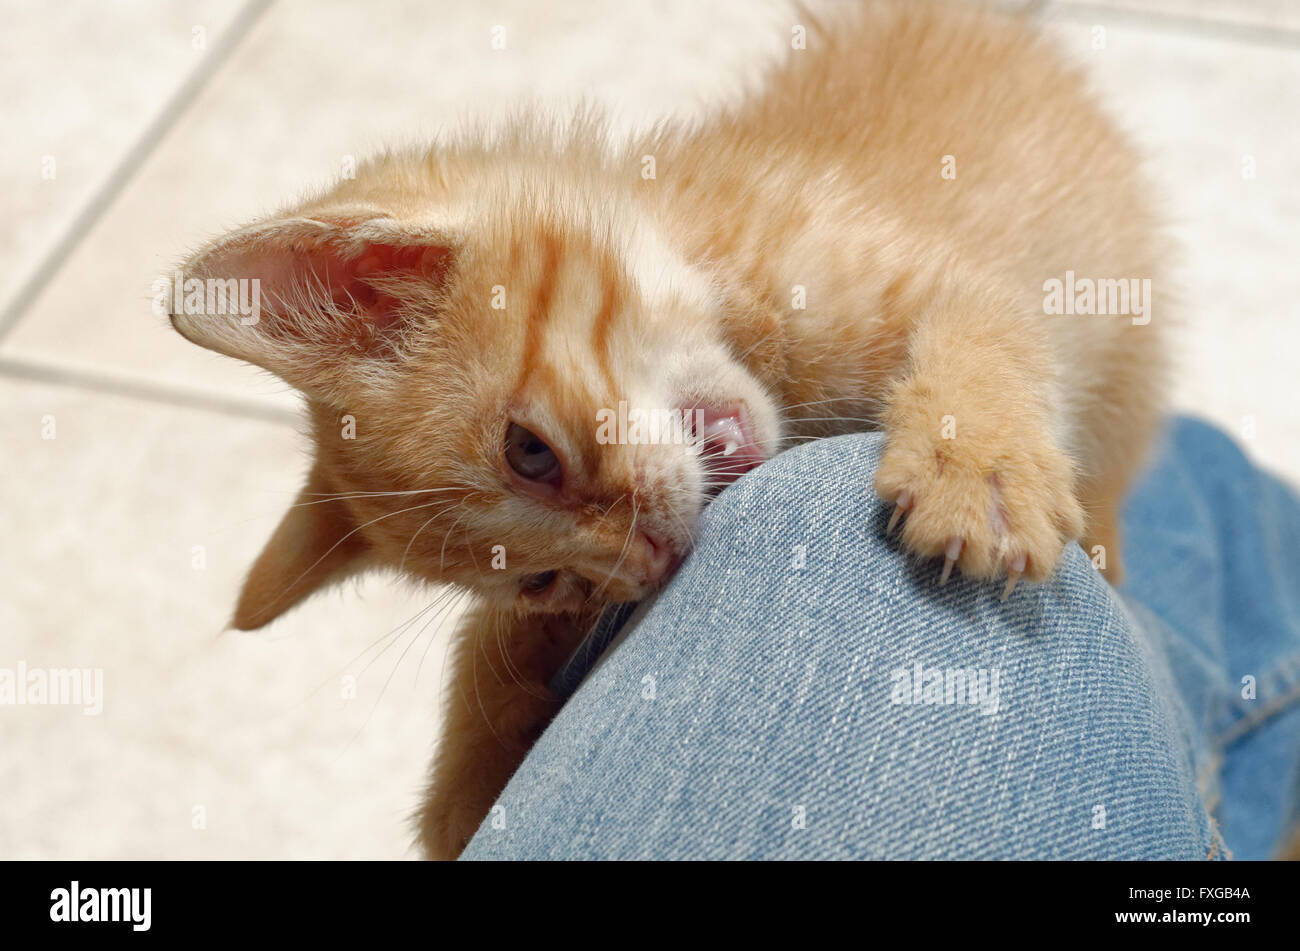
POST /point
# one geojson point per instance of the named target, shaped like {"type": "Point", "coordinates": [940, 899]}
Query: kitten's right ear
{"type": "Point", "coordinates": [308, 298]}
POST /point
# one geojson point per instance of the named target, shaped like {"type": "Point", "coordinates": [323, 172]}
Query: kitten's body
{"type": "Point", "coordinates": [924, 315]}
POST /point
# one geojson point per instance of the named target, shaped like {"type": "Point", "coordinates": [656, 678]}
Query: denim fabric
{"type": "Point", "coordinates": [1214, 580]}
{"type": "Point", "coordinates": [755, 710]}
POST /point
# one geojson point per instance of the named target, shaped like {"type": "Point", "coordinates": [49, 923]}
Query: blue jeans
{"type": "Point", "coordinates": [804, 689]}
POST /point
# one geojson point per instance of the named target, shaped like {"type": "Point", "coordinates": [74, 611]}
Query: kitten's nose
{"type": "Point", "coordinates": [658, 557]}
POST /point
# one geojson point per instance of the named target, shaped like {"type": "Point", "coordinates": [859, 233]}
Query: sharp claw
{"type": "Point", "coordinates": [950, 556]}
{"type": "Point", "coordinates": [1012, 578]}
{"type": "Point", "coordinates": [893, 519]}
{"type": "Point", "coordinates": [1014, 570]}
{"type": "Point", "coordinates": [904, 502]}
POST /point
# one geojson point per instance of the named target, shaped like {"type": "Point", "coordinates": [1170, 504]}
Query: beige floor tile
{"type": "Point", "coordinates": [107, 514]}
{"type": "Point", "coordinates": [1211, 112]}
{"type": "Point", "coordinates": [100, 573]}
{"type": "Point", "coordinates": [273, 119]}
{"type": "Point", "coordinates": [82, 81]}
{"type": "Point", "coordinates": [1281, 15]}
{"type": "Point", "coordinates": [317, 82]}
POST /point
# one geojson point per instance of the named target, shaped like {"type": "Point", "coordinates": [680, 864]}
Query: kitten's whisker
{"type": "Point", "coordinates": [451, 605]}
{"type": "Point", "coordinates": [400, 657]}
{"type": "Point", "coordinates": [516, 675]}
{"type": "Point", "coordinates": [395, 636]}
{"type": "Point", "coordinates": [831, 399]}
{"type": "Point", "coordinates": [327, 497]}
{"type": "Point", "coordinates": [627, 542]}
{"type": "Point", "coordinates": [384, 689]}
{"type": "Point", "coordinates": [690, 536]}
{"type": "Point", "coordinates": [366, 650]}
{"type": "Point", "coordinates": [478, 694]}
{"type": "Point", "coordinates": [407, 550]}
{"type": "Point", "coordinates": [470, 548]}
{"type": "Point", "coordinates": [330, 551]}
{"type": "Point", "coordinates": [442, 556]}
{"type": "Point", "coordinates": [835, 419]}
{"type": "Point", "coordinates": [359, 493]}
{"type": "Point", "coordinates": [609, 508]}
{"type": "Point", "coordinates": [754, 346]}
{"type": "Point", "coordinates": [501, 649]}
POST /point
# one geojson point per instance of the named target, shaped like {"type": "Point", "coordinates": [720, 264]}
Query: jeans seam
{"type": "Point", "coordinates": [1248, 722]}
{"type": "Point", "coordinates": [1207, 790]}
{"type": "Point", "coordinates": [1216, 843]}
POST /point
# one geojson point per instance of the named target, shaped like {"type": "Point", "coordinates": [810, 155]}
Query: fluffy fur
{"type": "Point", "coordinates": [538, 275]}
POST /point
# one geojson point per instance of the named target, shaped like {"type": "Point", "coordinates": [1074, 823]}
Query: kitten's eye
{"type": "Point", "coordinates": [537, 584]}
{"type": "Point", "coordinates": [530, 457]}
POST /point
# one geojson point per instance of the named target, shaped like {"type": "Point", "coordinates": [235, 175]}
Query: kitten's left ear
{"type": "Point", "coordinates": [315, 545]}
{"type": "Point", "coordinates": [310, 297]}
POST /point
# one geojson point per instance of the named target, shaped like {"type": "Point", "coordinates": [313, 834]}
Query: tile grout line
{"type": "Point", "coordinates": [11, 368]}
{"type": "Point", "coordinates": [130, 163]}
{"type": "Point", "coordinates": [1177, 24]}
{"type": "Point", "coordinates": [234, 34]}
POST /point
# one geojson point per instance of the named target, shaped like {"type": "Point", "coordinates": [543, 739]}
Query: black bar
{"type": "Point", "coordinates": [433, 902]}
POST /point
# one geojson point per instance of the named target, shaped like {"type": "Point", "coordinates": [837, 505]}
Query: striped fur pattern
{"type": "Point", "coordinates": [534, 276]}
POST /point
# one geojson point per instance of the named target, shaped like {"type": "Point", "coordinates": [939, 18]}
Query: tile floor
{"type": "Point", "coordinates": [136, 130]}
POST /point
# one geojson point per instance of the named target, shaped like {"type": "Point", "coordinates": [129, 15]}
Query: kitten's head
{"type": "Point", "coordinates": [514, 384]}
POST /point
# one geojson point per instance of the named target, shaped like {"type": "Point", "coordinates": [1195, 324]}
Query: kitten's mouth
{"type": "Point", "coordinates": [724, 437]}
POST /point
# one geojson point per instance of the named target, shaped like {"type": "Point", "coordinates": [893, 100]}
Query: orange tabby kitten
{"type": "Point", "coordinates": [866, 244]}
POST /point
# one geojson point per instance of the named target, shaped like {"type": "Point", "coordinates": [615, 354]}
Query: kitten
{"type": "Point", "coordinates": [864, 244]}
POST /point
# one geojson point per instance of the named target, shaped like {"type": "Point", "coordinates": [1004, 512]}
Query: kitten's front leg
{"type": "Point", "coordinates": [974, 459]}
{"type": "Point", "coordinates": [497, 707]}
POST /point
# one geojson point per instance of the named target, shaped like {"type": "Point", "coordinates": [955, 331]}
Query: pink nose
{"type": "Point", "coordinates": [658, 557]}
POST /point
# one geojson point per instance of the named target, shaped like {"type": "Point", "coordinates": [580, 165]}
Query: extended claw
{"type": "Point", "coordinates": [893, 519]}
{"type": "Point", "coordinates": [1012, 578]}
{"type": "Point", "coordinates": [950, 556]}
{"type": "Point", "coordinates": [903, 503]}
{"type": "Point", "coordinates": [1014, 571]}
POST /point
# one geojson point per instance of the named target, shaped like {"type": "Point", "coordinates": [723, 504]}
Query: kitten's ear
{"type": "Point", "coordinates": [316, 544]}
{"type": "Point", "coordinates": [309, 297]}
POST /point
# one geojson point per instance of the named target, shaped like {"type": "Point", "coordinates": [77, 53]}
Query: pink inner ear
{"type": "Point", "coordinates": [351, 280]}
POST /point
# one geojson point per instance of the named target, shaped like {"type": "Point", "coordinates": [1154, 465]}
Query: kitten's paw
{"type": "Point", "coordinates": [993, 504]}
